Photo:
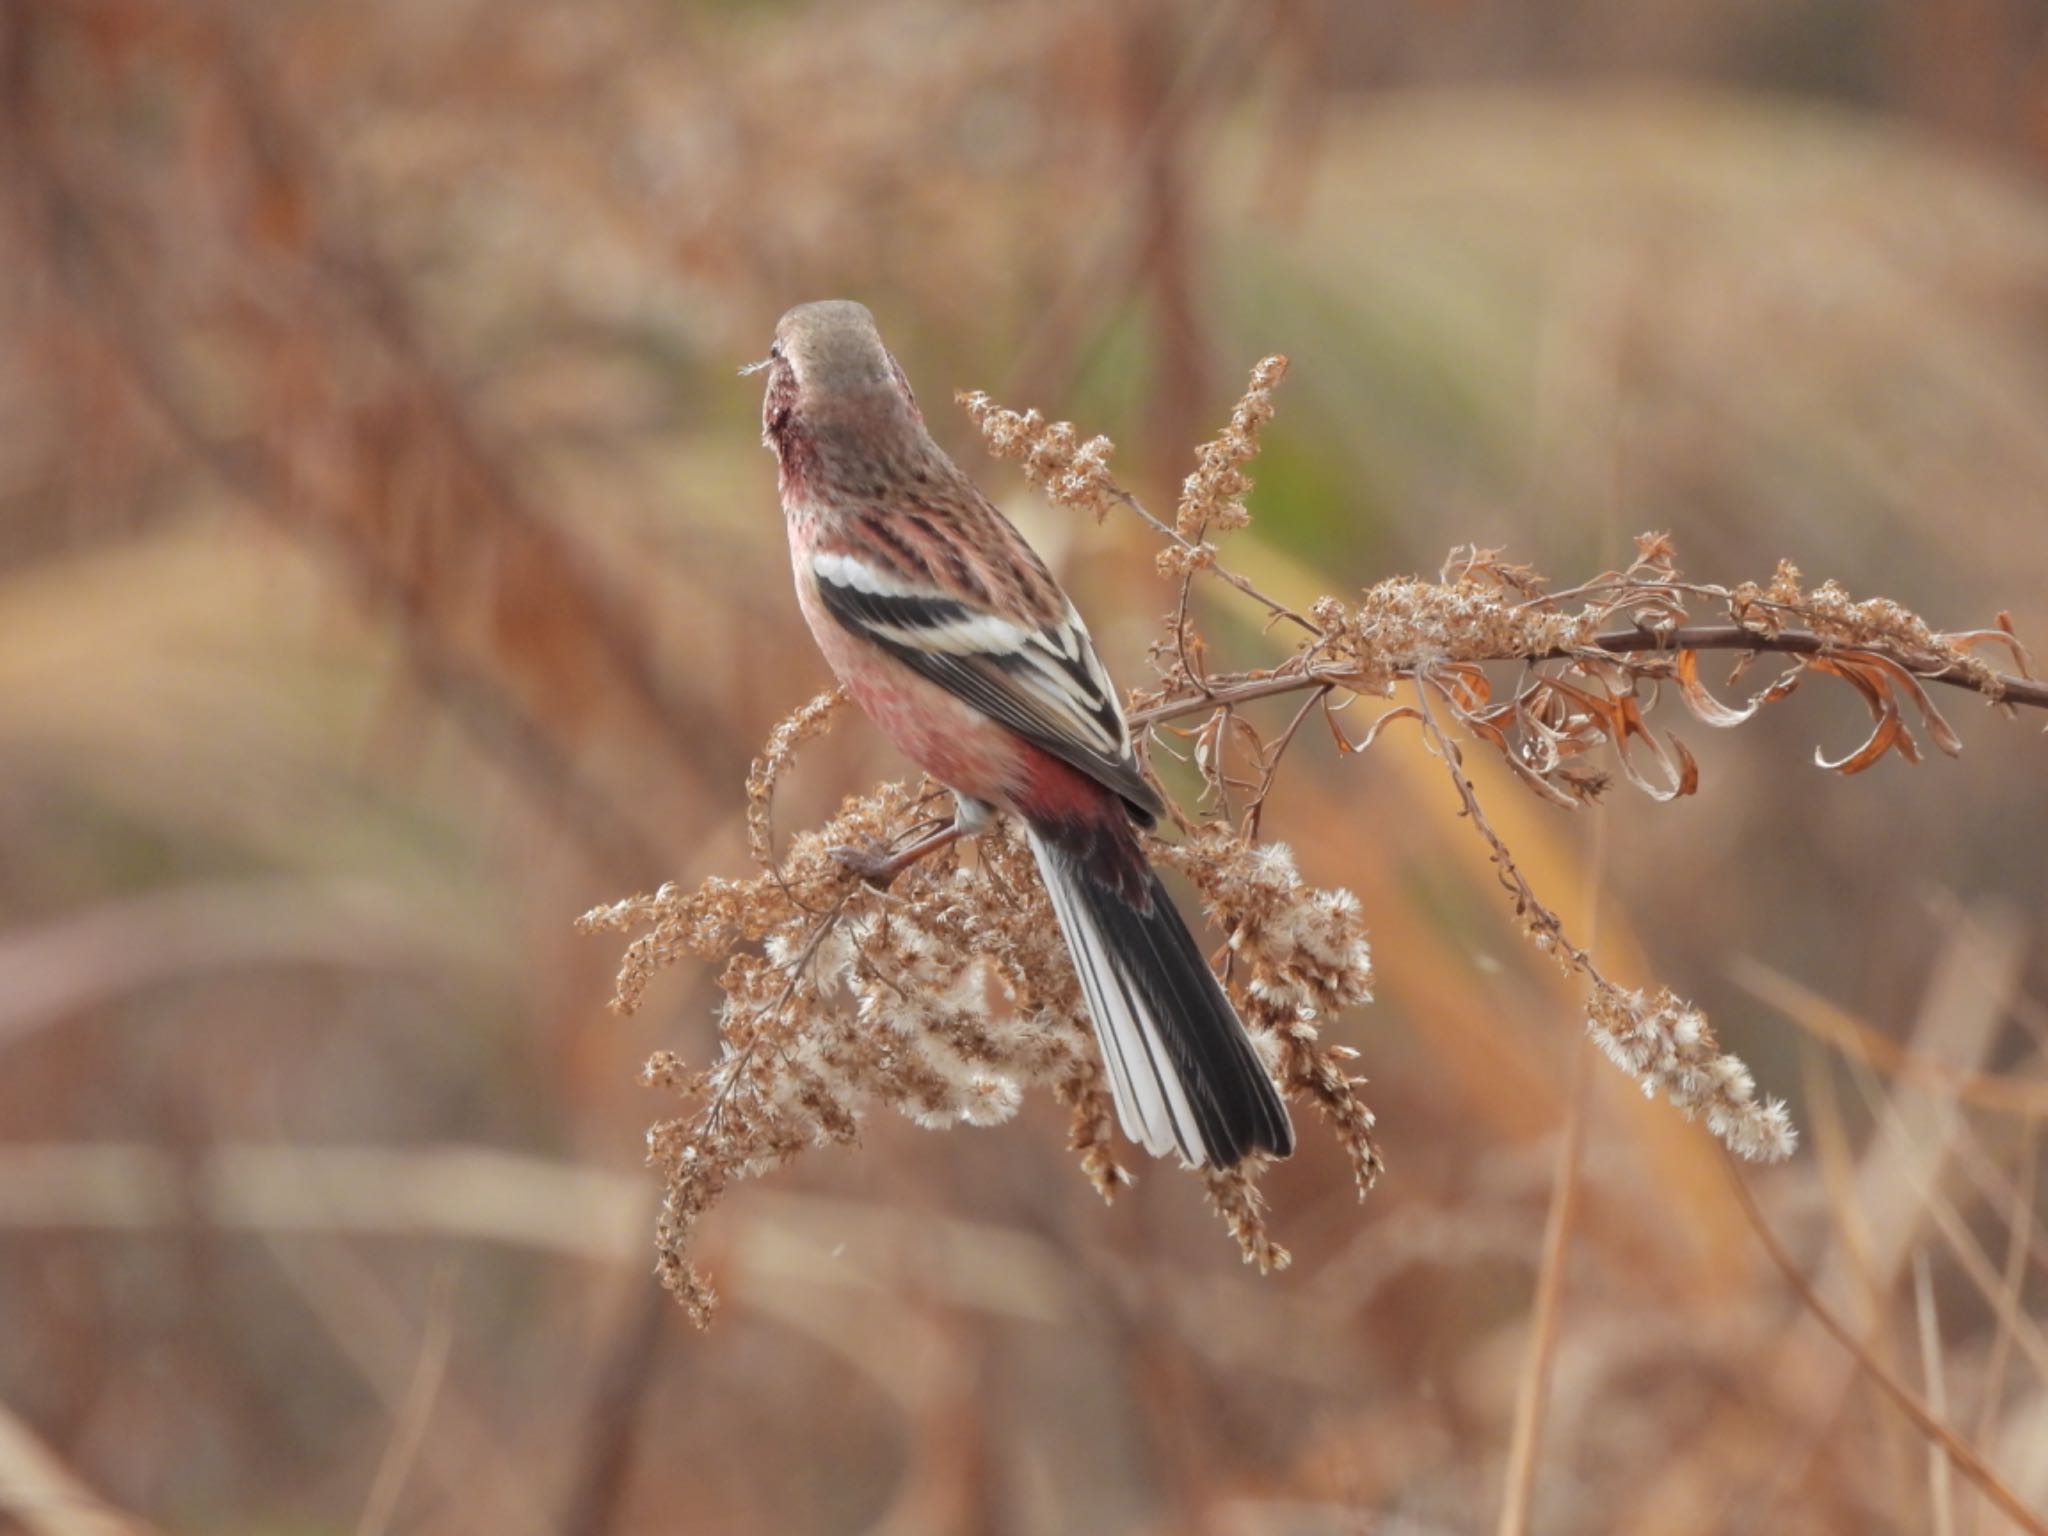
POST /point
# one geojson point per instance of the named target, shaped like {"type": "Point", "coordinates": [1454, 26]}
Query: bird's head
{"type": "Point", "coordinates": [829, 374]}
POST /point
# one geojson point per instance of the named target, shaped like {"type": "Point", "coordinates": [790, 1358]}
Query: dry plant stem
{"type": "Point", "coordinates": [1243, 688]}
{"type": "Point", "coordinates": [611, 1418]}
{"type": "Point", "coordinates": [2005, 688]}
{"type": "Point", "coordinates": [40, 1495]}
{"type": "Point", "coordinates": [1274, 754]}
{"type": "Point", "coordinates": [948, 997]}
{"type": "Point", "coordinates": [416, 1409]}
{"type": "Point", "coordinates": [368, 1328]}
{"type": "Point", "coordinates": [1940, 1485]}
{"type": "Point", "coordinates": [1539, 920]}
{"type": "Point", "coordinates": [1272, 605]}
{"type": "Point", "coordinates": [2026, 1099]}
{"type": "Point", "coordinates": [1533, 1392]}
{"type": "Point", "coordinates": [2015, 1277]}
{"type": "Point", "coordinates": [1966, 1460]}
{"type": "Point", "coordinates": [822, 931]}
{"type": "Point", "coordinates": [813, 719]}
{"type": "Point", "coordinates": [2017, 1327]}
{"type": "Point", "coordinates": [1660, 1041]}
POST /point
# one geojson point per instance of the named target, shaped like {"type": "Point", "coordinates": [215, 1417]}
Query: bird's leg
{"type": "Point", "coordinates": [880, 868]}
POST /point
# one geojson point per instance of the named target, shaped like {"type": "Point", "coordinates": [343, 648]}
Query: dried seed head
{"type": "Point", "coordinates": [1667, 1046]}
{"type": "Point", "coordinates": [1072, 473]}
{"type": "Point", "coordinates": [1213, 497]}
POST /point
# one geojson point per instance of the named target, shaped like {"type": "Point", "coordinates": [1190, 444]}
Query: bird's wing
{"type": "Point", "coordinates": [1043, 680]}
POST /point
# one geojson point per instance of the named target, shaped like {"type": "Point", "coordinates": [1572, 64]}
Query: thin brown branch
{"type": "Point", "coordinates": [1654, 1036]}
{"type": "Point", "coordinates": [1856, 1038]}
{"type": "Point", "coordinates": [41, 1495]}
{"type": "Point", "coordinates": [2020, 1236]}
{"type": "Point", "coordinates": [626, 1375]}
{"type": "Point", "coordinates": [416, 1408]}
{"type": "Point", "coordinates": [1241, 690]}
{"type": "Point", "coordinates": [2005, 688]}
{"type": "Point", "coordinates": [1273, 756]}
{"type": "Point", "coordinates": [1536, 919]}
{"type": "Point", "coordinates": [1940, 1486]}
{"type": "Point", "coordinates": [2002, 687]}
{"type": "Point", "coordinates": [1966, 1460]}
{"type": "Point", "coordinates": [1272, 605]}
{"type": "Point", "coordinates": [737, 1071]}
{"type": "Point", "coordinates": [1533, 1391]}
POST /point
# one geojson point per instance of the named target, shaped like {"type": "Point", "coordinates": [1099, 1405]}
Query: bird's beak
{"type": "Point", "coordinates": [755, 367]}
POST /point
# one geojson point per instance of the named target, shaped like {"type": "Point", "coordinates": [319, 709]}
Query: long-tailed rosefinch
{"type": "Point", "coordinates": [954, 637]}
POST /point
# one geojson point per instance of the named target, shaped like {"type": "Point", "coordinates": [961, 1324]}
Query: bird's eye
{"type": "Point", "coordinates": [775, 351]}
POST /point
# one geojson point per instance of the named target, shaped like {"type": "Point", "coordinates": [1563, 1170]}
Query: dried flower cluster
{"type": "Point", "coordinates": [1405, 625]}
{"type": "Point", "coordinates": [1301, 957]}
{"type": "Point", "coordinates": [1214, 495]}
{"type": "Point", "coordinates": [1668, 1046]}
{"type": "Point", "coordinates": [813, 719]}
{"type": "Point", "coordinates": [1832, 614]}
{"type": "Point", "coordinates": [1072, 473]}
{"type": "Point", "coordinates": [948, 997]}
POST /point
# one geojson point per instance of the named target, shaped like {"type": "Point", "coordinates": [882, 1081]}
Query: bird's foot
{"type": "Point", "coordinates": [874, 863]}
{"type": "Point", "coordinates": [871, 860]}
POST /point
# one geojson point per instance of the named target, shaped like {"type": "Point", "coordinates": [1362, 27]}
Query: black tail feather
{"type": "Point", "coordinates": [1158, 1000]}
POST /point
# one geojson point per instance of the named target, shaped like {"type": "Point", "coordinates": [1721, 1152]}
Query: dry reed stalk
{"type": "Point", "coordinates": [1902, 1396]}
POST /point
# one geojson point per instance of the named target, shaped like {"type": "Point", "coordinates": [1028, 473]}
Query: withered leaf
{"type": "Point", "coordinates": [1372, 732]}
{"type": "Point", "coordinates": [1680, 777]}
{"type": "Point", "coordinates": [1930, 717]}
{"type": "Point", "coordinates": [1889, 731]}
{"type": "Point", "coordinates": [1710, 710]}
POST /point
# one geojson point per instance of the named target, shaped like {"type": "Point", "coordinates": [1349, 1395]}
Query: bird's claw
{"type": "Point", "coordinates": [869, 859]}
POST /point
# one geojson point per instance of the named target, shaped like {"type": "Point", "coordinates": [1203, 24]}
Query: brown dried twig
{"type": "Point", "coordinates": [1247, 687]}
{"type": "Point", "coordinates": [1908, 1402]}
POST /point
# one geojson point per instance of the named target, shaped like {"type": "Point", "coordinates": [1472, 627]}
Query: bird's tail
{"type": "Point", "coordinates": [1181, 1068]}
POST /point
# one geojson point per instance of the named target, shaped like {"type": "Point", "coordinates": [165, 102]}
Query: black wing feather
{"type": "Point", "coordinates": [990, 681]}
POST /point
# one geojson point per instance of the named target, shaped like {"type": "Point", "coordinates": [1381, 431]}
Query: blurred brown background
{"type": "Point", "coordinates": [389, 572]}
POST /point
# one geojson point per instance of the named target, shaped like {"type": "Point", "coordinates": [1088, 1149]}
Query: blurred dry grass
{"type": "Point", "coordinates": [387, 574]}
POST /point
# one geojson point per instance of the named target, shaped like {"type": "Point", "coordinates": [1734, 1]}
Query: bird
{"type": "Point", "coordinates": [947, 629]}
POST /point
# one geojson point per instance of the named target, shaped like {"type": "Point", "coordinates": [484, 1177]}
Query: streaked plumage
{"type": "Point", "coordinates": [949, 631]}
